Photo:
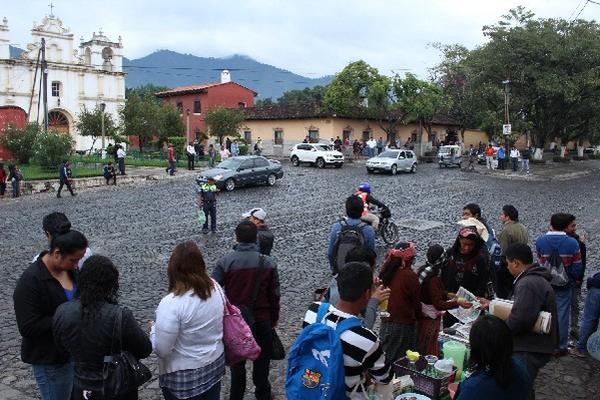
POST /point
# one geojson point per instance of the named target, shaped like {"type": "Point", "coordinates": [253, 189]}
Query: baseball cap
{"type": "Point", "coordinates": [468, 231]}
{"type": "Point", "coordinates": [257, 213]}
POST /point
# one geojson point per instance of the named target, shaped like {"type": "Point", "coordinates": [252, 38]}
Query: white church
{"type": "Point", "coordinates": [88, 76]}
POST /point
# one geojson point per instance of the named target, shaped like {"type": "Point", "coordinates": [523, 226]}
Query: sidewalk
{"type": "Point", "coordinates": [544, 172]}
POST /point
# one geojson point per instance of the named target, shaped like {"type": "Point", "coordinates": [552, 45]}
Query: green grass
{"type": "Point", "coordinates": [141, 162]}
{"type": "Point", "coordinates": [32, 172]}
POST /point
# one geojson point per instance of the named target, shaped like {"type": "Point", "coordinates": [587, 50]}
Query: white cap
{"type": "Point", "coordinates": [257, 213]}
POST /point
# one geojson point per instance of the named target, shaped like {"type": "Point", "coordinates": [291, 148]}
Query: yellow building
{"type": "Point", "coordinates": [281, 127]}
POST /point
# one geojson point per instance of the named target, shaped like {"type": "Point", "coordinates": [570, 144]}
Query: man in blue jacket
{"type": "Point", "coordinates": [556, 240]}
{"type": "Point", "coordinates": [65, 178]}
{"type": "Point", "coordinates": [501, 158]}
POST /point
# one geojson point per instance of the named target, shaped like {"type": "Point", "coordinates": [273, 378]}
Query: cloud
{"type": "Point", "coordinates": [309, 37]}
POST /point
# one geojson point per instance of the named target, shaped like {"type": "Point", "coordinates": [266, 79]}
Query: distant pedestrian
{"type": "Point", "coordinates": [2, 180]}
{"type": "Point", "coordinates": [15, 177]}
{"type": "Point", "coordinates": [65, 178]}
{"type": "Point", "coordinates": [171, 158]}
{"type": "Point", "coordinates": [42, 287]}
{"type": "Point", "coordinates": [489, 157]}
{"type": "Point", "coordinates": [212, 156]}
{"type": "Point", "coordinates": [121, 159]}
{"type": "Point", "coordinates": [251, 283]}
{"type": "Point", "coordinates": [265, 237]}
{"type": "Point", "coordinates": [380, 145]}
{"type": "Point", "coordinates": [225, 154]}
{"type": "Point", "coordinates": [356, 149]}
{"type": "Point", "coordinates": [501, 157]}
{"type": "Point", "coordinates": [207, 200]}
{"type": "Point", "coordinates": [187, 335]}
{"type": "Point", "coordinates": [371, 145]}
{"type": "Point", "coordinates": [84, 328]}
{"type": "Point", "coordinates": [110, 173]}
{"type": "Point", "coordinates": [228, 144]}
{"type": "Point", "coordinates": [191, 156]}
{"type": "Point", "coordinates": [258, 147]}
{"type": "Point", "coordinates": [514, 158]}
{"type": "Point", "coordinates": [337, 144]}
{"type": "Point", "coordinates": [526, 156]}
{"type": "Point", "coordinates": [472, 158]}
{"type": "Point", "coordinates": [197, 148]}
{"type": "Point", "coordinates": [235, 149]}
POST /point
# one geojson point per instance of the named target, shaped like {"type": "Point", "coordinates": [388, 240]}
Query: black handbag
{"type": "Point", "coordinates": [278, 350]}
{"type": "Point", "coordinates": [121, 372]}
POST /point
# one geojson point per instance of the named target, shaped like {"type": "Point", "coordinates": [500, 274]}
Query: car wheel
{"type": "Point", "coordinates": [271, 180]}
{"type": "Point", "coordinates": [320, 163]}
{"type": "Point", "coordinates": [229, 184]}
{"type": "Point", "coordinates": [369, 171]}
{"type": "Point", "coordinates": [295, 161]}
{"type": "Point", "coordinates": [413, 169]}
{"type": "Point", "coordinates": [339, 165]}
{"type": "Point", "coordinates": [394, 169]}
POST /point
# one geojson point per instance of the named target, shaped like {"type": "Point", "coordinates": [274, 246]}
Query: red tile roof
{"type": "Point", "coordinates": [193, 89]}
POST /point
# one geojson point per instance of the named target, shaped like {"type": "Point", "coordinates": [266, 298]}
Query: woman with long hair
{"type": "Point", "coordinates": [188, 333]}
{"type": "Point", "coordinates": [398, 331]}
{"type": "Point", "coordinates": [46, 284]}
{"type": "Point", "coordinates": [85, 328]}
{"type": "Point", "coordinates": [495, 373]}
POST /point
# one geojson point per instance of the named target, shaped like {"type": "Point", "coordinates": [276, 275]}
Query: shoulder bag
{"type": "Point", "coordinates": [121, 372]}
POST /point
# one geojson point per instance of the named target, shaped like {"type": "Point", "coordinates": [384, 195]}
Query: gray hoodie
{"type": "Point", "coordinates": [532, 293]}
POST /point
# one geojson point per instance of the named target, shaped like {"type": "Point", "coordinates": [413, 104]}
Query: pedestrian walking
{"type": "Point", "coordinates": [591, 315]}
{"type": "Point", "coordinates": [514, 158]}
{"type": "Point", "coordinates": [121, 159]}
{"type": "Point", "coordinates": [356, 149]}
{"type": "Point", "coordinates": [15, 176]}
{"type": "Point", "coordinates": [187, 335]}
{"type": "Point", "coordinates": [472, 158]}
{"type": "Point", "coordinates": [265, 237]}
{"type": "Point", "coordinates": [560, 255]}
{"type": "Point", "coordinates": [576, 298]}
{"type": "Point", "coordinates": [235, 149]}
{"type": "Point", "coordinates": [2, 180]}
{"type": "Point", "coordinates": [489, 157]}
{"type": "Point", "coordinates": [171, 158]}
{"type": "Point", "coordinates": [207, 200]}
{"type": "Point", "coordinates": [512, 232]}
{"type": "Point", "coordinates": [526, 156]}
{"type": "Point", "coordinates": [42, 287]}
{"type": "Point", "coordinates": [110, 173]}
{"type": "Point", "coordinates": [191, 156]}
{"type": "Point", "coordinates": [228, 144]}
{"type": "Point", "coordinates": [64, 172]}
{"type": "Point", "coordinates": [501, 157]}
{"type": "Point", "coordinates": [85, 329]}
{"type": "Point", "coordinates": [225, 154]}
{"type": "Point", "coordinates": [251, 283]}
{"type": "Point", "coordinates": [398, 331]}
{"type": "Point", "coordinates": [212, 156]}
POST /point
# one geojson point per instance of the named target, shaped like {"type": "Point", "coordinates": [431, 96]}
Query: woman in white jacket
{"type": "Point", "coordinates": [188, 333]}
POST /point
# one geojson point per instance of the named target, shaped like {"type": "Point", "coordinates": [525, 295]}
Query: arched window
{"type": "Point", "coordinates": [107, 55]}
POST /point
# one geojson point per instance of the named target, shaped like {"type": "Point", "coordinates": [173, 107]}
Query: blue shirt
{"type": "Point", "coordinates": [367, 231]}
{"type": "Point", "coordinates": [70, 293]}
{"type": "Point", "coordinates": [481, 385]}
{"type": "Point", "coordinates": [567, 247]}
{"type": "Point", "coordinates": [501, 152]}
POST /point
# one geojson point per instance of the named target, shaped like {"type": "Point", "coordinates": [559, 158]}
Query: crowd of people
{"type": "Point", "coordinates": [68, 313]}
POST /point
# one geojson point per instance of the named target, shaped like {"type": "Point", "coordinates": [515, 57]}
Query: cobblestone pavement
{"type": "Point", "coordinates": [138, 226]}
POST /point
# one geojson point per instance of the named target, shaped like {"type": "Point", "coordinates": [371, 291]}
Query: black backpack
{"type": "Point", "coordinates": [555, 265]}
{"type": "Point", "coordinates": [349, 237]}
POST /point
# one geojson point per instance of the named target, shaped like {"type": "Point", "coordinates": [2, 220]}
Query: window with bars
{"type": "Point", "coordinates": [248, 136]}
{"type": "Point", "coordinates": [55, 89]}
{"type": "Point", "coordinates": [313, 135]}
{"type": "Point", "coordinates": [197, 107]}
{"type": "Point", "coordinates": [278, 137]}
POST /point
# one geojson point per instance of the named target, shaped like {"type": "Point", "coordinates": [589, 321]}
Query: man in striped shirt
{"type": "Point", "coordinates": [363, 354]}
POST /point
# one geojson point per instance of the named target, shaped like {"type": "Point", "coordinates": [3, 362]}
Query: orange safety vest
{"type": "Point", "coordinates": [363, 196]}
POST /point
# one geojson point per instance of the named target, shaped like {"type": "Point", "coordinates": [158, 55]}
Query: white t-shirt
{"type": "Point", "coordinates": [191, 150]}
{"type": "Point", "coordinates": [120, 153]}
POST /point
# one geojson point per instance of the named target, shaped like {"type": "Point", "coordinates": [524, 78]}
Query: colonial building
{"type": "Point", "coordinates": [87, 76]}
{"type": "Point", "coordinates": [281, 127]}
{"type": "Point", "coordinates": [194, 101]}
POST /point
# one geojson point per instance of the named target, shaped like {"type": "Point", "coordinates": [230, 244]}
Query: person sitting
{"type": "Point", "coordinates": [110, 173]}
{"type": "Point", "coordinates": [496, 374]}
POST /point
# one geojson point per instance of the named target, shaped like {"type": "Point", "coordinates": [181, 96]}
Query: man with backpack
{"type": "Point", "coordinates": [349, 233]}
{"type": "Point", "coordinates": [561, 256]}
{"type": "Point", "coordinates": [342, 365]}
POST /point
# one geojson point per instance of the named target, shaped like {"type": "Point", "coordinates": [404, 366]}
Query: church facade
{"type": "Point", "coordinates": [83, 76]}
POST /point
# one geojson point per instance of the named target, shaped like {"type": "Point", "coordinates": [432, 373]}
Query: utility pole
{"type": "Point", "coordinates": [45, 84]}
{"type": "Point", "coordinates": [103, 152]}
{"type": "Point", "coordinates": [506, 118]}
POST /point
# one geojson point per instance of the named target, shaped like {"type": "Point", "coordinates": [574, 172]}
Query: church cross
{"type": "Point", "coordinates": [51, 9]}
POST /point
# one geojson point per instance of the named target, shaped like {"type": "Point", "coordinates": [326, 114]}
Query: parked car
{"type": "Point", "coordinates": [393, 160]}
{"type": "Point", "coordinates": [318, 154]}
{"type": "Point", "coordinates": [450, 155]}
{"type": "Point", "coordinates": [242, 171]}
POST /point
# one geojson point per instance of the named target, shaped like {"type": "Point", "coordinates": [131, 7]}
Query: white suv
{"type": "Point", "coordinates": [319, 154]}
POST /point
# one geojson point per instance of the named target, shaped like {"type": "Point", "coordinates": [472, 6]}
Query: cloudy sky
{"type": "Point", "coordinates": [309, 37]}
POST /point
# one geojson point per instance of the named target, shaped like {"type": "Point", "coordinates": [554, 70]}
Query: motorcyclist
{"type": "Point", "coordinates": [364, 192]}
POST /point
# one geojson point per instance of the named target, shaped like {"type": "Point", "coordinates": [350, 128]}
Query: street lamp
{"type": "Point", "coordinates": [102, 108]}
{"type": "Point", "coordinates": [187, 125]}
{"type": "Point", "coordinates": [506, 82]}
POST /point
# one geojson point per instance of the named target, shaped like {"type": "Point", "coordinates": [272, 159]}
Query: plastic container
{"type": "Point", "coordinates": [456, 351]}
{"type": "Point", "coordinates": [434, 387]}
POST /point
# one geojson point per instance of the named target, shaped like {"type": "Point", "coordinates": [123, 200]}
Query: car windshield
{"type": "Point", "coordinates": [323, 147]}
{"type": "Point", "coordinates": [389, 154]}
{"type": "Point", "coordinates": [230, 163]}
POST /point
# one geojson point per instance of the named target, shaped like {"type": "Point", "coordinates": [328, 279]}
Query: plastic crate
{"type": "Point", "coordinates": [435, 388]}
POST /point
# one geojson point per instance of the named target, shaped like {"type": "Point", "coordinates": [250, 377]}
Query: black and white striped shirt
{"type": "Point", "coordinates": [363, 354]}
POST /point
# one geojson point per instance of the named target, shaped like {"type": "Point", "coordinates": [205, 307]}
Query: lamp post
{"type": "Point", "coordinates": [103, 152]}
{"type": "Point", "coordinates": [187, 125]}
{"type": "Point", "coordinates": [506, 117]}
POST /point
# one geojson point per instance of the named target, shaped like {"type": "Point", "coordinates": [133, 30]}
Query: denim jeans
{"type": "Point", "coordinates": [563, 307]}
{"type": "Point", "coordinates": [214, 393]}
{"type": "Point", "coordinates": [525, 166]}
{"type": "Point", "coordinates": [54, 380]}
{"type": "Point", "coordinates": [591, 315]}
{"type": "Point", "coordinates": [533, 362]}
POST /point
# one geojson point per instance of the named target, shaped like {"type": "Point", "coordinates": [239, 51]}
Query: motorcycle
{"type": "Point", "coordinates": [387, 230]}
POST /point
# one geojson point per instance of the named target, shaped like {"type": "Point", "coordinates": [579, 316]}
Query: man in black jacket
{"type": "Point", "coordinates": [265, 237]}
{"type": "Point", "coordinates": [532, 294]}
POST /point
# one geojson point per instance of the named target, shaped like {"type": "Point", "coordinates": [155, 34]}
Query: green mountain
{"type": "Point", "coordinates": [171, 69]}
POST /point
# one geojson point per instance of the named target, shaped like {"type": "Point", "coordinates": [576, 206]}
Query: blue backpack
{"type": "Point", "coordinates": [316, 360]}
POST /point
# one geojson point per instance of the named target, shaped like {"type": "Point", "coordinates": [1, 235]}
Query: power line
{"type": "Point", "coordinates": [583, 8]}
{"type": "Point", "coordinates": [575, 10]}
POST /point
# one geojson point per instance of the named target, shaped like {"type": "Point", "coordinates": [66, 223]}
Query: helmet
{"type": "Point", "coordinates": [364, 187]}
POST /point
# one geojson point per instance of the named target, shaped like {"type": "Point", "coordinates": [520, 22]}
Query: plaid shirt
{"type": "Point", "coordinates": [193, 382]}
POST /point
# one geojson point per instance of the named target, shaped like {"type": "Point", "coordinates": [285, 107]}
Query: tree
{"type": "Point", "coordinates": [20, 141]}
{"type": "Point", "coordinates": [146, 92]}
{"type": "Point", "coordinates": [264, 102]}
{"type": "Point", "coordinates": [307, 95]}
{"type": "Point", "coordinates": [223, 122]}
{"type": "Point", "coordinates": [89, 123]}
{"type": "Point", "coordinates": [52, 148]}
